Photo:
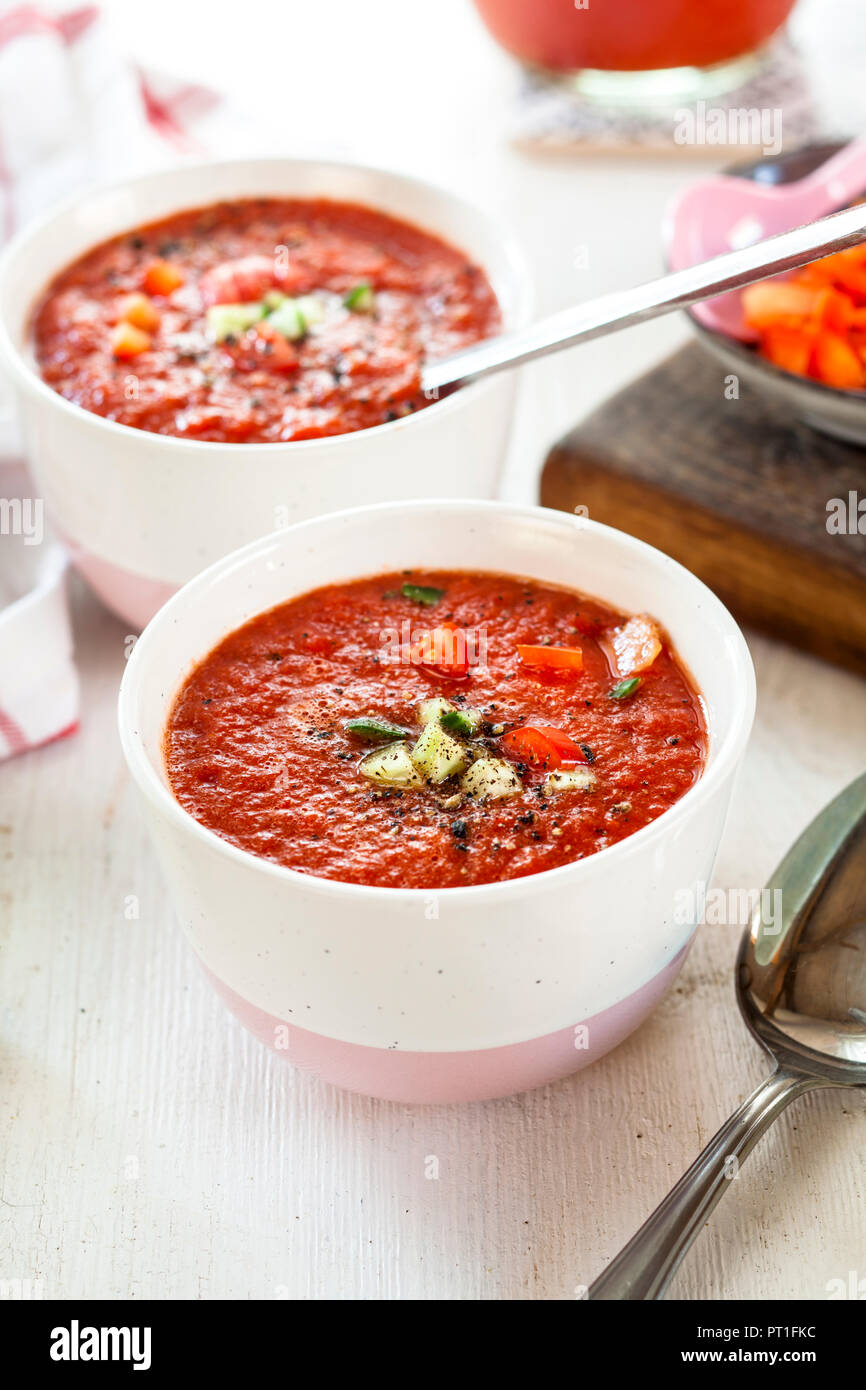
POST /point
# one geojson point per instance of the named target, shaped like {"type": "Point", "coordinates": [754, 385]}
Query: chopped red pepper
{"type": "Point", "coordinates": [552, 658]}
{"type": "Point", "coordinates": [138, 309]}
{"type": "Point", "coordinates": [127, 340]}
{"type": "Point", "coordinates": [544, 744]}
{"type": "Point", "coordinates": [443, 650]}
{"type": "Point", "coordinates": [163, 277]}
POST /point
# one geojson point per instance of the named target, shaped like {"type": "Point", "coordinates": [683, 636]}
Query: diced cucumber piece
{"type": "Point", "coordinates": [576, 779]}
{"type": "Point", "coordinates": [230, 320]}
{"type": "Point", "coordinates": [464, 722]}
{"type": "Point", "coordinates": [312, 308]}
{"type": "Point", "coordinates": [361, 299]}
{"type": "Point", "coordinates": [430, 710]}
{"type": "Point", "coordinates": [288, 320]}
{"type": "Point", "coordinates": [273, 299]}
{"type": "Point", "coordinates": [375, 730]}
{"type": "Point", "coordinates": [437, 755]}
{"type": "Point", "coordinates": [491, 779]}
{"type": "Point", "coordinates": [392, 766]}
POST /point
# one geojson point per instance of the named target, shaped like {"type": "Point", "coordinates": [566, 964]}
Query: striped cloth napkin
{"type": "Point", "coordinates": [73, 111]}
{"type": "Point", "coordinates": [38, 681]}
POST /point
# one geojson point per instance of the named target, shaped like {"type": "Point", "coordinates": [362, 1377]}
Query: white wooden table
{"type": "Point", "coordinates": [149, 1147]}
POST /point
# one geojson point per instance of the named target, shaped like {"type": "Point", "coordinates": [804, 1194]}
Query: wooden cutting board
{"type": "Point", "coordinates": [733, 490]}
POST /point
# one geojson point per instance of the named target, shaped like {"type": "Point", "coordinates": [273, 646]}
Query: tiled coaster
{"type": "Point", "coordinates": [772, 109]}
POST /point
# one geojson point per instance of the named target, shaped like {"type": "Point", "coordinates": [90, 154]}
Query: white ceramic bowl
{"type": "Point", "coordinates": [470, 992]}
{"type": "Point", "coordinates": [142, 513]}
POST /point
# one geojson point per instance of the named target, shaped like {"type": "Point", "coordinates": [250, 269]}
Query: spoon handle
{"type": "Point", "coordinates": [643, 1268]}
{"type": "Point", "coordinates": [679, 290]}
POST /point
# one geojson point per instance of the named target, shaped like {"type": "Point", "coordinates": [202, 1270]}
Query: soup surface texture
{"type": "Point", "coordinates": [265, 319]}
{"type": "Point", "coordinates": [435, 730]}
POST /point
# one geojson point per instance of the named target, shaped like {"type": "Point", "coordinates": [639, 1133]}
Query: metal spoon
{"type": "Point", "coordinates": [801, 987]}
{"type": "Point", "coordinates": [676, 291]}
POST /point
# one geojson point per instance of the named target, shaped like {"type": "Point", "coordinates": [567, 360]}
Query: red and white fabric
{"type": "Point", "coordinates": [38, 680]}
{"type": "Point", "coordinates": [73, 112]}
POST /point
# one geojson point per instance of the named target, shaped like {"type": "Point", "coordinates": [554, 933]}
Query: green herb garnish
{"type": "Point", "coordinates": [456, 722]}
{"type": "Point", "coordinates": [419, 593]}
{"type": "Point", "coordinates": [361, 298]}
{"type": "Point", "coordinates": [623, 689]}
{"type": "Point", "coordinates": [374, 730]}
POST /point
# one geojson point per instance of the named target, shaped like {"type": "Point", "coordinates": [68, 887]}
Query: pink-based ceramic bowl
{"type": "Point", "coordinates": [142, 513]}
{"type": "Point", "coordinates": [468, 993]}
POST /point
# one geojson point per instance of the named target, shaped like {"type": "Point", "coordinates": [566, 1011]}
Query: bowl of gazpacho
{"type": "Point", "coordinates": [435, 786]}
{"type": "Point", "coordinates": [209, 353]}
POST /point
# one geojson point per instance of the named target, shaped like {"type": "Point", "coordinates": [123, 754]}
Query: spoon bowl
{"type": "Point", "coordinates": [801, 987]}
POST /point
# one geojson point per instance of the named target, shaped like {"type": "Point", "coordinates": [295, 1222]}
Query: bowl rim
{"type": "Point", "coordinates": [29, 378]}
{"type": "Point", "coordinates": [725, 760]}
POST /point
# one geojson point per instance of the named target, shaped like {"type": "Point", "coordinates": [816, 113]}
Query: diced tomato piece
{"type": "Point", "coordinates": [276, 350]}
{"type": "Point", "coordinates": [788, 348]}
{"type": "Point", "coordinates": [636, 644]}
{"type": "Point", "coordinates": [836, 309]}
{"type": "Point", "coordinates": [552, 658]}
{"type": "Point", "coordinates": [543, 745]}
{"type": "Point", "coordinates": [127, 340]}
{"type": "Point", "coordinates": [443, 650]}
{"type": "Point", "coordinates": [780, 301]}
{"type": "Point", "coordinates": [848, 270]}
{"type": "Point", "coordinates": [836, 363]}
{"type": "Point", "coordinates": [812, 323]}
{"type": "Point", "coordinates": [138, 309]}
{"type": "Point", "coordinates": [262, 346]}
{"type": "Point", "coordinates": [831, 268]}
{"type": "Point", "coordinates": [163, 277]}
{"type": "Point", "coordinates": [245, 280]}
{"type": "Point", "coordinates": [816, 272]}
{"type": "Point", "coordinates": [853, 280]}
{"type": "Point", "coordinates": [856, 340]}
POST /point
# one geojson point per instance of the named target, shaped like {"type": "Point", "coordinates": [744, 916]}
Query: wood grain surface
{"type": "Point", "coordinates": [733, 489]}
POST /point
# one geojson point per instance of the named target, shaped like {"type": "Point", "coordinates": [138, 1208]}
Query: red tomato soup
{"type": "Point", "coordinates": [433, 730]}
{"type": "Point", "coordinates": [266, 319]}
{"type": "Point", "coordinates": [631, 35]}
